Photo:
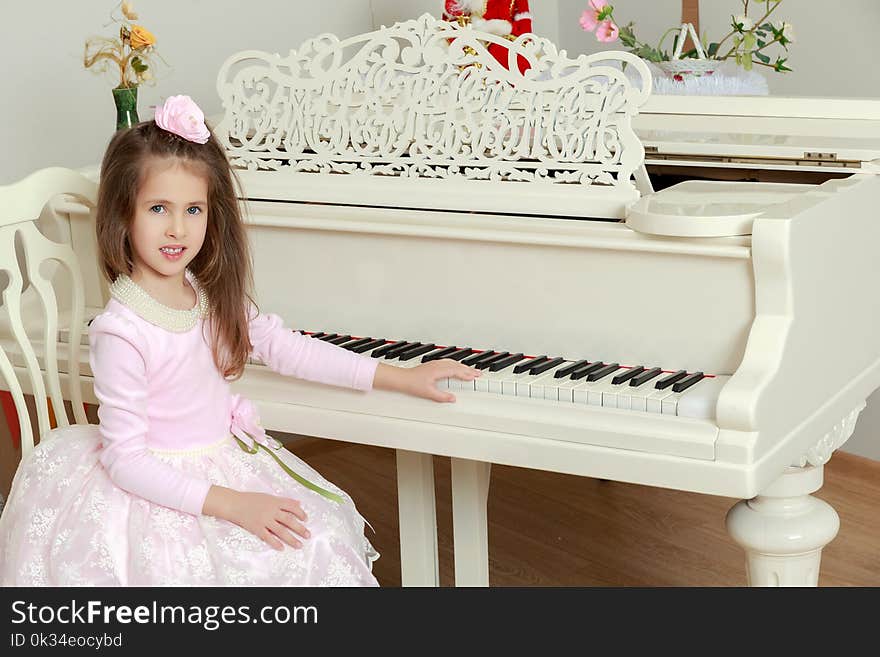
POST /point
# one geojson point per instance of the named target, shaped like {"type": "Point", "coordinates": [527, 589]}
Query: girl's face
{"type": "Point", "coordinates": [170, 218]}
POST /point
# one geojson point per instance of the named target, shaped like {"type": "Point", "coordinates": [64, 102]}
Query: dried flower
{"type": "Point", "coordinates": [128, 11]}
{"type": "Point", "coordinates": [141, 37]}
{"type": "Point", "coordinates": [130, 53]}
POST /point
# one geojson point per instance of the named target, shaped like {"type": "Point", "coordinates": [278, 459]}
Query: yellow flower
{"type": "Point", "coordinates": [141, 37]}
{"type": "Point", "coordinates": [128, 11]}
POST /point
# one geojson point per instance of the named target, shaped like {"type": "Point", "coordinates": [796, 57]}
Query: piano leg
{"type": "Point", "coordinates": [470, 494]}
{"type": "Point", "coordinates": [784, 529]}
{"type": "Point", "coordinates": [418, 519]}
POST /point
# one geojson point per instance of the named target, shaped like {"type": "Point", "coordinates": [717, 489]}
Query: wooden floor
{"type": "Point", "coordinates": [548, 529]}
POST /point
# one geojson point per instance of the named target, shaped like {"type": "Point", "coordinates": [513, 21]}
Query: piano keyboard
{"type": "Point", "coordinates": [641, 388]}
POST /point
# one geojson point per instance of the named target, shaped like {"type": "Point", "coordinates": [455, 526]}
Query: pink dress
{"type": "Point", "coordinates": [119, 503]}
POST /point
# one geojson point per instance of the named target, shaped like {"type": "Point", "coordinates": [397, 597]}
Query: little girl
{"type": "Point", "coordinates": [179, 484]}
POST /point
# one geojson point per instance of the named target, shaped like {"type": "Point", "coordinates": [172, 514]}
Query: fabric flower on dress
{"type": "Point", "coordinates": [181, 116]}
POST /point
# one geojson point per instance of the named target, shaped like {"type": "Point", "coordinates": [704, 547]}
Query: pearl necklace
{"type": "Point", "coordinates": [129, 293]}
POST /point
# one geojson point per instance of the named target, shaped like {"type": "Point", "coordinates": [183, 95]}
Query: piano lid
{"type": "Point", "coordinates": [763, 132]}
{"type": "Point", "coordinates": [421, 115]}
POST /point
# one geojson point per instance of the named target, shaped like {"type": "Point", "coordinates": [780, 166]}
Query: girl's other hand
{"type": "Point", "coordinates": [421, 381]}
{"type": "Point", "coordinates": [274, 519]}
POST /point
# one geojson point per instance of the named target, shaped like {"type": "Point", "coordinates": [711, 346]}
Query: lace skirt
{"type": "Point", "coordinates": [67, 524]}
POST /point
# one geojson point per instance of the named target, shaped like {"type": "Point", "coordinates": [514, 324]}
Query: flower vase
{"type": "Point", "coordinates": [126, 107]}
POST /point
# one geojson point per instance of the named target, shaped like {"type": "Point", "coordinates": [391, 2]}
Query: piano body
{"type": "Point", "coordinates": [711, 336]}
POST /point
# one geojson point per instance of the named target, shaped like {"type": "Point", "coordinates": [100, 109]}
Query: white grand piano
{"type": "Point", "coordinates": [409, 198]}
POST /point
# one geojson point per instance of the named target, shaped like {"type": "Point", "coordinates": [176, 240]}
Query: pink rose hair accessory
{"type": "Point", "coordinates": [180, 115]}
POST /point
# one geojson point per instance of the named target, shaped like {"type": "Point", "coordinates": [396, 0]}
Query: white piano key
{"type": "Point", "coordinates": [492, 381]}
{"type": "Point", "coordinates": [588, 392]}
{"type": "Point", "coordinates": [503, 382]}
{"type": "Point", "coordinates": [638, 396]}
{"type": "Point", "coordinates": [545, 386]}
{"type": "Point", "coordinates": [611, 396]}
{"type": "Point", "coordinates": [700, 400]}
{"type": "Point", "coordinates": [565, 389]}
{"type": "Point", "coordinates": [669, 404]}
{"type": "Point", "coordinates": [579, 392]}
{"type": "Point", "coordinates": [653, 403]}
{"type": "Point", "coordinates": [596, 395]}
{"type": "Point", "coordinates": [528, 385]}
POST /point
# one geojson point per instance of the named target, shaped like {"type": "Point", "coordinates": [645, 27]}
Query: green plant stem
{"type": "Point", "coordinates": [760, 63]}
{"type": "Point", "coordinates": [663, 38]}
{"type": "Point", "coordinates": [766, 45]}
{"type": "Point", "coordinates": [730, 52]}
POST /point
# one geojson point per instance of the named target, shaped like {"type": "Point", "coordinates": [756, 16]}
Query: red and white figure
{"type": "Point", "coordinates": [504, 18]}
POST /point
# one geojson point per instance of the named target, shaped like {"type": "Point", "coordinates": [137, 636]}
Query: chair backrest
{"type": "Point", "coordinates": [27, 359]}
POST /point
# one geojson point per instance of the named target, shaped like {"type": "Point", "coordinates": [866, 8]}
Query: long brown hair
{"type": "Point", "coordinates": [222, 267]}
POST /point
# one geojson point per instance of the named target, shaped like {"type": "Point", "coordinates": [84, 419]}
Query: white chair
{"type": "Point", "coordinates": [44, 298]}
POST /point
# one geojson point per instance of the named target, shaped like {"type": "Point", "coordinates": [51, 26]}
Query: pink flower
{"type": "Point", "coordinates": [590, 18]}
{"type": "Point", "coordinates": [607, 31]}
{"type": "Point", "coordinates": [181, 115]}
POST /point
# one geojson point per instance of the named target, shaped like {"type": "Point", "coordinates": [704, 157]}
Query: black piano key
{"type": "Point", "coordinates": [357, 343]}
{"type": "Point", "coordinates": [477, 357]}
{"type": "Point", "coordinates": [381, 351]}
{"type": "Point", "coordinates": [369, 346]}
{"type": "Point", "coordinates": [603, 372]}
{"type": "Point", "coordinates": [483, 364]}
{"type": "Point", "coordinates": [647, 375]}
{"type": "Point", "coordinates": [409, 354]}
{"type": "Point", "coordinates": [568, 369]}
{"type": "Point", "coordinates": [340, 339]}
{"type": "Point", "coordinates": [626, 376]}
{"type": "Point", "coordinates": [464, 352]}
{"type": "Point", "coordinates": [543, 367]}
{"type": "Point", "coordinates": [318, 336]}
{"type": "Point", "coordinates": [391, 354]}
{"type": "Point", "coordinates": [529, 364]}
{"type": "Point", "coordinates": [499, 365]}
{"type": "Point", "coordinates": [328, 336]}
{"type": "Point", "coordinates": [665, 382]}
{"type": "Point", "coordinates": [688, 381]}
{"type": "Point", "coordinates": [440, 353]}
{"type": "Point", "coordinates": [586, 371]}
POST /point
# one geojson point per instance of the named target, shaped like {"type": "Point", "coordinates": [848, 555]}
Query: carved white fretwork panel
{"type": "Point", "coordinates": [425, 98]}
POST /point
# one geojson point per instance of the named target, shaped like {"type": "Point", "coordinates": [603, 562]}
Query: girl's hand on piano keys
{"type": "Point", "coordinates": [421, 381]}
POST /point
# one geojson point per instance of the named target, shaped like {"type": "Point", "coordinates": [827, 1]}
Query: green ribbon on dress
{"type": "Point", "coordinates": [333, 497]}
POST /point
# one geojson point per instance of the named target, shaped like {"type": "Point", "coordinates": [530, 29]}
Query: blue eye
{"type": "Point", "coordinates": [194, 210]}
{"type": "Point", "coordinates": [161, 209]}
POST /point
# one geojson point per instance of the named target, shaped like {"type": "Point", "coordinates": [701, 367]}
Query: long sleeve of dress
{"type": "Point", "coordinates": [119, 369]}
{"type": "Point", "coordinates": [294, 354]}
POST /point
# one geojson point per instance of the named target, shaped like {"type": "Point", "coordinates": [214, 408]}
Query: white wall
{"type": "Point", "coordinates": [834, 54]}
{"type": "Point", "coordinates": [54, 112]}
